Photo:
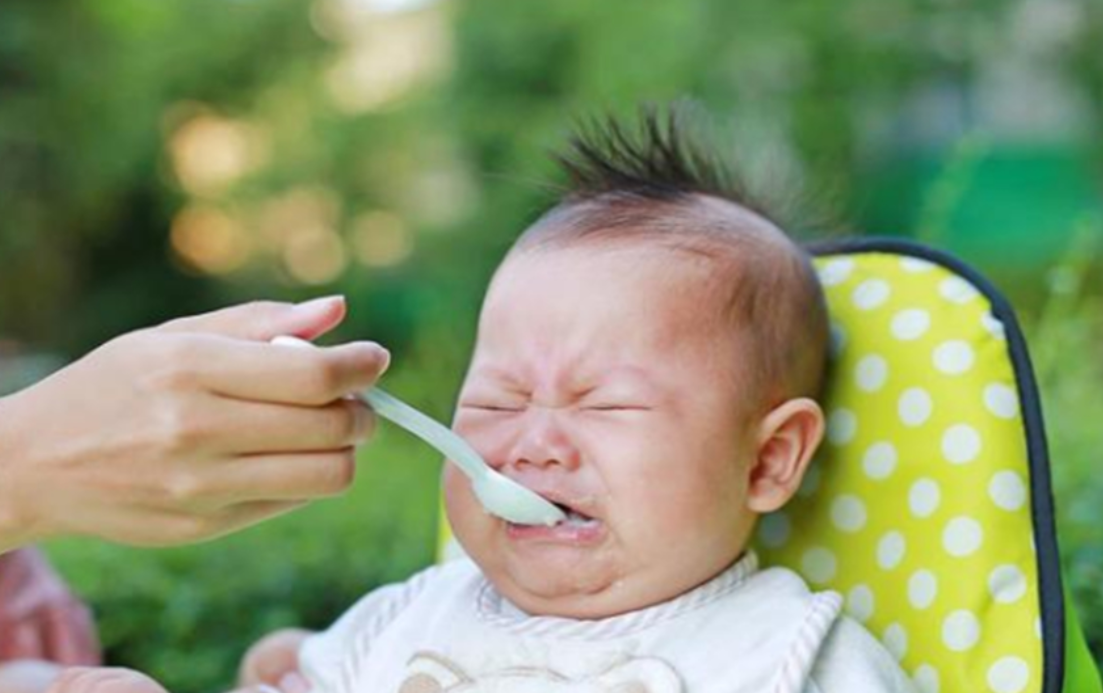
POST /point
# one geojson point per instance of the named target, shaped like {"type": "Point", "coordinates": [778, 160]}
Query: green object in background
{"type": "Point", "coordinates": [1081, 674]}
{"type": "Point", "coordinates": [1014, 205]}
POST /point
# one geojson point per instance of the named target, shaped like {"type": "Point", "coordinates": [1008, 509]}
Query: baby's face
{"type": "Point", "coordinates": [599, 381]}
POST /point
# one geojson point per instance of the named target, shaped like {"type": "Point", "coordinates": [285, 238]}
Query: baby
{"type": "Point", "coordinates": [648, 358]}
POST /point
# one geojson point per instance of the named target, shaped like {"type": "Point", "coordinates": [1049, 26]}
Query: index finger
{"type": "Point", "coordinates": [263, 320]}
{"type": "Point", "coordinates": [264, 372]}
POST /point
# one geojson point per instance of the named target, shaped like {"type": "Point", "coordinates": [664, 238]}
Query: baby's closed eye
{"type": "Point", "coordinates": [492, 407]}
{"type": "Point", "coordinates": [615, 406]}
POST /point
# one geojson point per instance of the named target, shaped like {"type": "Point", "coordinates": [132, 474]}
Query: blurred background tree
{"type": "Point", "coordinates": [163, 158]}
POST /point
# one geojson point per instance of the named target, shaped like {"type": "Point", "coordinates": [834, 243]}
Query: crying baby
{"type": "Point", "coordinates": [648, 358]}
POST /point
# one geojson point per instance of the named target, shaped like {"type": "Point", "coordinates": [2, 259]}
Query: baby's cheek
{"type": "Point", "coordinates": [457, 493]}
{"type": "Point", "coordinates": [465, 515]}
{"type": "Point", "coordinates": [493, 436]}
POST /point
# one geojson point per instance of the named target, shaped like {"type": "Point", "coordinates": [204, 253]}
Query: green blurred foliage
{"type": "Point", "coordinates": [393, 156]}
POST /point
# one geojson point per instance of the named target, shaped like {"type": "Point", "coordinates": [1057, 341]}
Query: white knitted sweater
{"type": "Point", "coordinates": [447, 629]}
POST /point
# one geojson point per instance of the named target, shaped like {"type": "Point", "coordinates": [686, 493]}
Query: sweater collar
{"type": "Point", "coordinates": [495, 610]}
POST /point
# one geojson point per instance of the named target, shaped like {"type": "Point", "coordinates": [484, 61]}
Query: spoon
{"type": "Point", "coordinates": [499, 494]}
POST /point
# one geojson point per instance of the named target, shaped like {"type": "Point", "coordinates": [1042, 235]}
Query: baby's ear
{"type": "Point", "coordinates": [787, 438]}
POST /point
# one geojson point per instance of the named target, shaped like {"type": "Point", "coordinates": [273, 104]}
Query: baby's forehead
{"type": "Point", "coordinates": [639, 294]}
{"type": "Point", "coordinates": [675, 274]}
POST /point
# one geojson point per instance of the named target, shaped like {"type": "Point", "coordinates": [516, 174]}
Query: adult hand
{"type": "Point", "coordinates": [188, 430]}
{"type": "Point", "coordinates": [104, 680]}
{"type": "Point", "coordinates": [110, 680]}
{"type": "Point", "coordinates": [39, 617]}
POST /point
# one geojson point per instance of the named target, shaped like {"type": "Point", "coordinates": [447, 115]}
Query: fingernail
{"type": "Point", "coordinates": [384, 354]}
{"type": "Point", "coordinates": [316, 303]}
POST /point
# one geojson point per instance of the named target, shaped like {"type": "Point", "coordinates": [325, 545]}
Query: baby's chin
{"type": "Point", "coordinates": [593, 589]}
{"type": "Point", "coordinates": [579, 594]}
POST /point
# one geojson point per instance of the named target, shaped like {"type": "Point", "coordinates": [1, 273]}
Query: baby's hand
{"type": "Point", "coordinates": [39, 617]}
{"type": "Point", "coordinates": [104, 680]}
{"type": "Point", "coordinates": [274, 661]}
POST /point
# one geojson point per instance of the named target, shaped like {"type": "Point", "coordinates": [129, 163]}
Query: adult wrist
{"type": "Point", "coordinates": [16, 529]}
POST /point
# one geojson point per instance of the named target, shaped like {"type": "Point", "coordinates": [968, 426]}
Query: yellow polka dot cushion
{"type": "Point", "coordinates": [929, 506]}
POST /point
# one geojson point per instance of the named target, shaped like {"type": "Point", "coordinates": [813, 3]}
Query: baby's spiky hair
{"type": "Point", "coordinates": [660, 156]}
{"type": "Point", "coordinates": [655, 160]}
{"type": "Point", "coordinates": [654, 181]}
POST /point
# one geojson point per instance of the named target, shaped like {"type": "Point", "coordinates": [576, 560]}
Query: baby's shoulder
{"type": "Point", "coordinates": [851, 659]}
{"type": "Point", "coordinates": [393, 598]}
{"type": "Point", "coordinates": [781, 591]}
{"type": "Point", "coordinates": [323, 653]}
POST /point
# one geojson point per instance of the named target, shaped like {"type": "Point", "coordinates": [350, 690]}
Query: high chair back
{"type": "Point", "coordinates": [929, 505]}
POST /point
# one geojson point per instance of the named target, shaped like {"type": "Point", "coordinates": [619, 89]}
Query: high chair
{"type": "Point", "coordinates": [929, 507]}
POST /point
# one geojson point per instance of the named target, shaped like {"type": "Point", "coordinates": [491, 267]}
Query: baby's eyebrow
{"type": "Point", "coordinates": [634, 377]}
{"type": "Point", "coordinates": [496, 375]}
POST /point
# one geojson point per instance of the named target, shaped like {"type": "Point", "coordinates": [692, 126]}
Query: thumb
{"type": "Point", "coordinates": [263, 320]}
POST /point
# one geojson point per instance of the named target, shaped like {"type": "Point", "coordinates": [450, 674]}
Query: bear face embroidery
{"type": "Point", "coordinates": [429, 672]}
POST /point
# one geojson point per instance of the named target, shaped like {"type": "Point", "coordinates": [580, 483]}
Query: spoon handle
{"type": "Point", "coordinates": [432, 432]}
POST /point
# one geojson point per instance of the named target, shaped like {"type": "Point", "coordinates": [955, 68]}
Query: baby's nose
{"type": "Point", "coordinates": [544, 443]}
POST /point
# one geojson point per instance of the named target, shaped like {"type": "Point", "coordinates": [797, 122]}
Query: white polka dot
{"type": "Point", "coordinates": [1001, 400]}
{"type": "Point", "coordinates": [924, 497]}
{"type": "Point", "coordinates": [962, 536]}
{"type": "Point", "coordinates": [848, 513]}
{"type": "Point", "coordinates": [910, 324]}
{"type": "Point", "coordinates": [819, 565]}
{"type": "Point", "coordinates": [993, 325]}
{"type": "Point", "coordinates": [1008, 675]}
{"type": "Point", "coordinates": [811, 480]}
{"type": "Point", "coordinates": [842, 424]}
{"type": "Point", "coordinates": [838, 339]}
{"type": "Point", "coordinates": [956, 290]}
{"type": "Point", "coordinates": [859, 603]}
{"type": "Point", "coordinates": [871, 373]}
{"type": "Point", "coordinates": [836, 271]}
{"type": "Point", "coordinates": [1007, 584]}
{"type": "Point", "coordinates": [915, 264]}
{"type": "Point", "coordinates": [879, 460]}
{"type": "Point", "coordinates": [774, 530]}
{"type": "Point", "coordinates": [922, 589]}
{"type": "Point", "coordinates": [1007, 490]}
{"type": "Point", "coordinates": [890, 550]}
{"type": "Point", "coordinates": [960, 444]}
{"type": "Point", "coordinates": [960, 630]}
{"type": "Point", "coordinates": [926, 679]}
{"type": "Point", "coordinates": [953, 357]}
{"type": "Point", "coordinates": [914, 406]}
{"type": "Point", "coordinates": [870, 294]}
{"type": "Point", "coordinates": [1038, 627]}
{"type": "Point", "coordinates": [895, 639]}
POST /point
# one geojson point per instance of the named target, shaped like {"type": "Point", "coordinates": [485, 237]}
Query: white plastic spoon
{"type": "Point", "coordinates": [499, 494]}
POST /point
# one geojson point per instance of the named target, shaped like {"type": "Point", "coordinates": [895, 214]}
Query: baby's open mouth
{"type": "Point", "coordinates": [578, 528]}
{"type": "Point", "coordinates": [574, 516]}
